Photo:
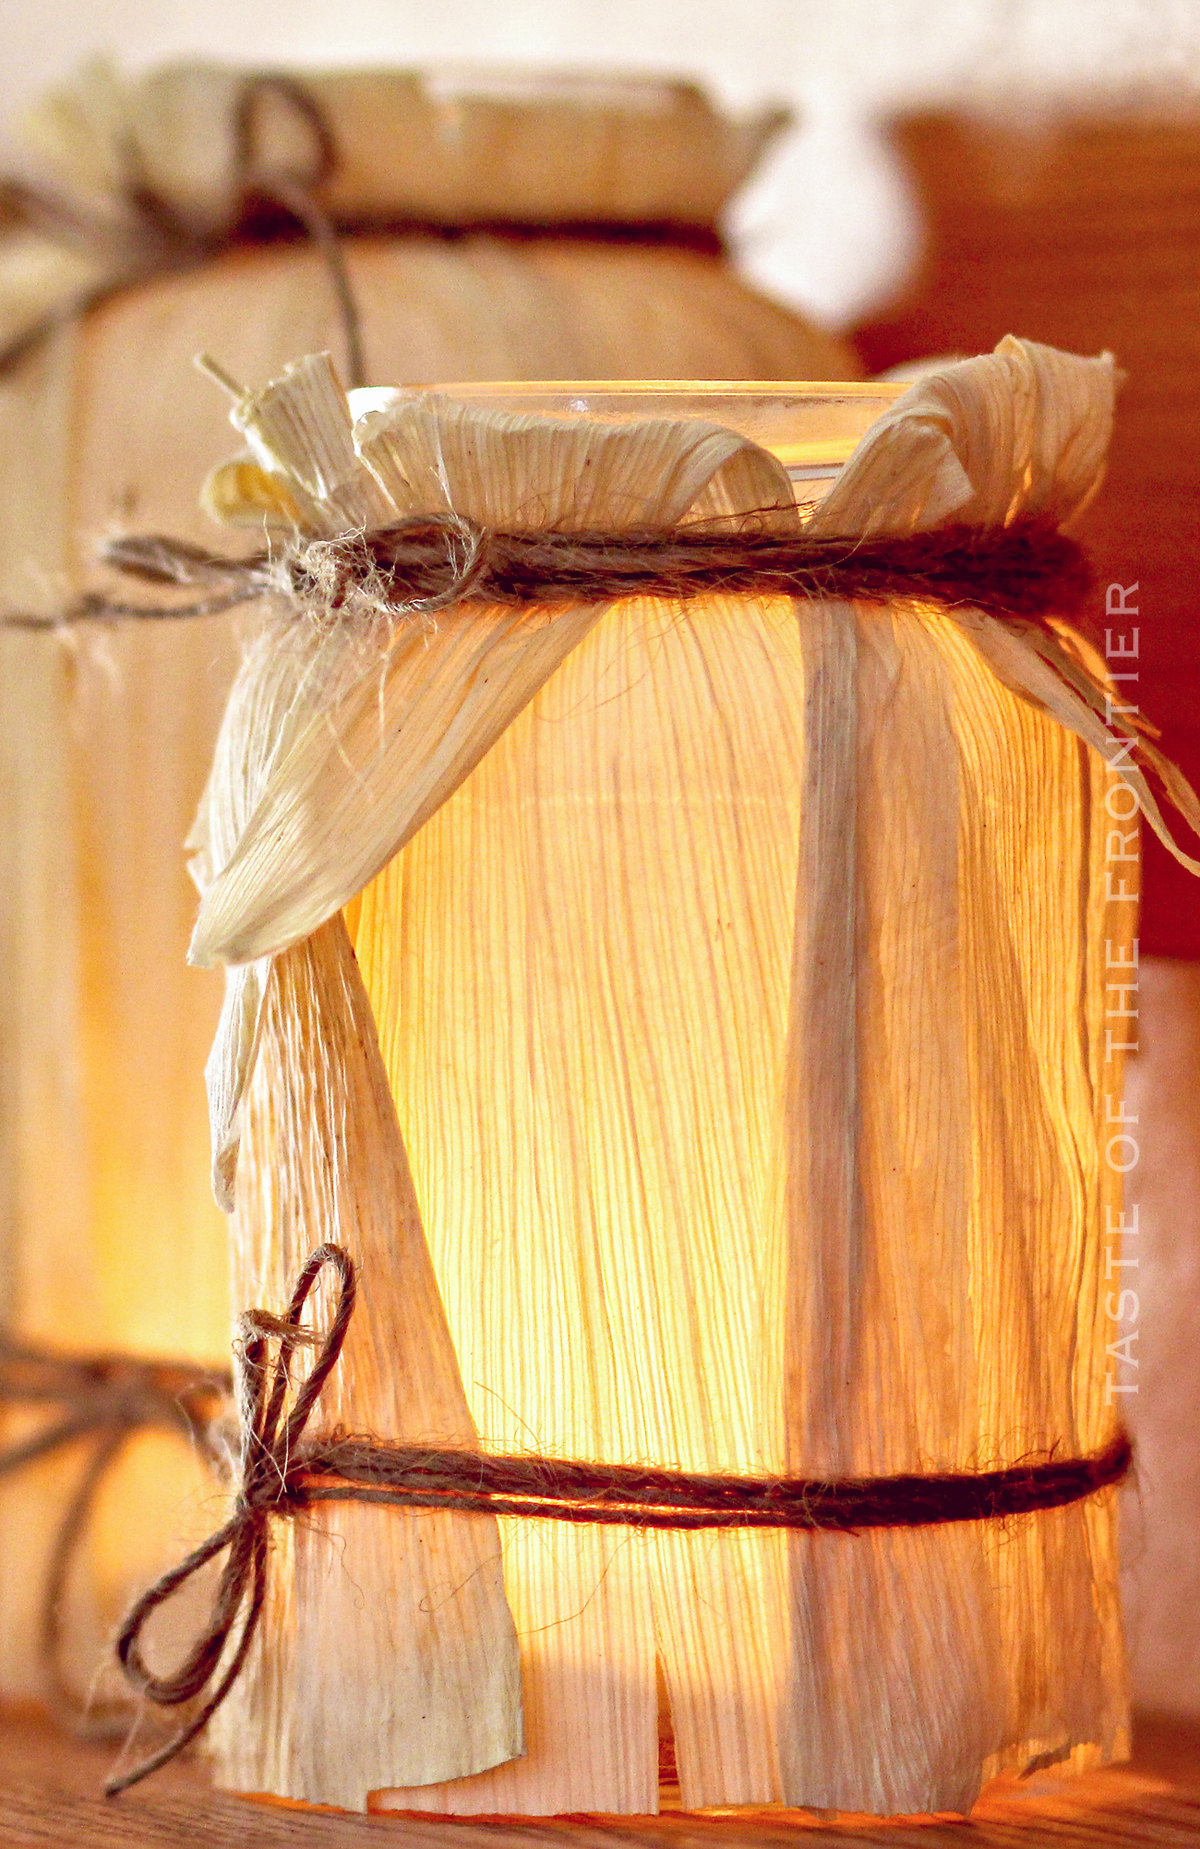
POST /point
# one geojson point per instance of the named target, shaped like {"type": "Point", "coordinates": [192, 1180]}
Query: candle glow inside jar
{"type": "Point", "coordinates": [707, 1074]}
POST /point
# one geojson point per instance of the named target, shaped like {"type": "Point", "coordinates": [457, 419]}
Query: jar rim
{"type": "Point", "coordinates": [812, 426]}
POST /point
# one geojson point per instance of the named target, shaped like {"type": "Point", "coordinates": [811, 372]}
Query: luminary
{"type": "Point", "coordinates": [690, 1015]}
{"type": "Point", "coordinates": [459, 203]}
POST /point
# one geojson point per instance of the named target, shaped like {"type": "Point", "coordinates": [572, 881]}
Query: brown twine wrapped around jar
{"type": "Point", "coordinates": [283, 1473]}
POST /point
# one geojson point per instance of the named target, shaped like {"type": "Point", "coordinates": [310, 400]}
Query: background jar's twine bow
{"type": "Point", "coordinates": [284, 1472]}
{"type": "Point", "coordinates": [151, 237]}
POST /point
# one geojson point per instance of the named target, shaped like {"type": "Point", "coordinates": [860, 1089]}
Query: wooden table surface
{"type": "Point", "coordinates": [49, 1794]}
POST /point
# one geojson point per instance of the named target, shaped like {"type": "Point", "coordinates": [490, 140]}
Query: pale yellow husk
{"type": "Point", "coordinates": [110, 1236]}
{"type": "Point", "coordinates": [738, 978]}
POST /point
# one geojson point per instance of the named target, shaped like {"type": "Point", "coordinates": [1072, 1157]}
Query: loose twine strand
{"type": "Point", "coordinates": [283, 1473]}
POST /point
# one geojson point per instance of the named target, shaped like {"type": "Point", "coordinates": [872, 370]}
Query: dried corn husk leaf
{"type": "Point", "coordinates": [299, 427]}
{"type": "Point", "coordinates": [935, 456]}
{"type": "Point", "coordinates": [372, 718]}
{"type": "Point", "coordinates": [387, 1651]}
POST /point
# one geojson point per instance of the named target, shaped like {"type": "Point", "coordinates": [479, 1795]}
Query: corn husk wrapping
{"type": "Point", "coordinates": [113, 1239]}
{"type": "Point", "coordinates": [738, 979]}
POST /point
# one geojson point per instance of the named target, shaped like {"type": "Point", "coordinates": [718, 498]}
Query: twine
{"type": "Point", "coordinates": [1028, 574]}
{"type": "Point", "coordinates": [284, 1474]}
{"type": "Point", "coordinates": [106, 1399]}
{"type": "Point", "coordinates": [429, 562]}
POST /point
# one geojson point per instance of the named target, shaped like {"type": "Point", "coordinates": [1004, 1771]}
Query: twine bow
{"type": "Point", "coordinates": [271, 1485]}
